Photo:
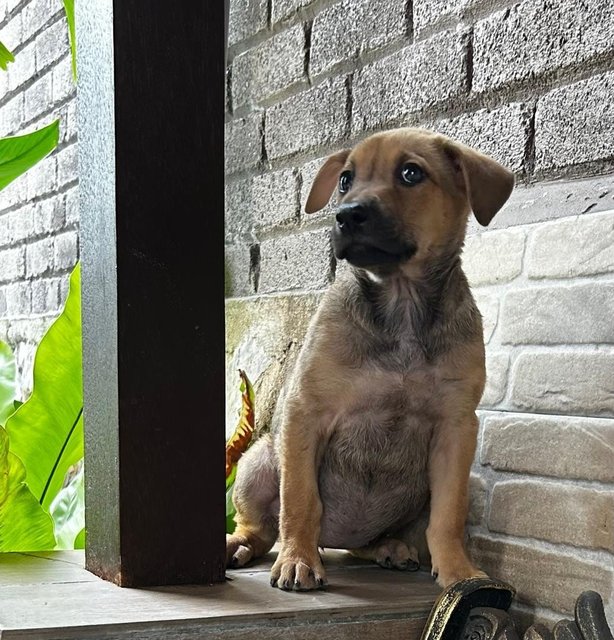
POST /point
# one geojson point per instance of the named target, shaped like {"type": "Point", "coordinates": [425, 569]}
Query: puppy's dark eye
{"type": "Point", "coordinates": [345, 181]}
{"type": "Point", "coordinates": [411, 174]}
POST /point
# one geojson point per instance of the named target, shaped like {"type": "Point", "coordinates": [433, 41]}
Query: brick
{"type": "Point", "coordinates": [281, 9]}
{"type": "Point", "coordinates": [431, 13]}
{"type": "Point", "coordinates": [12, 4]}
{"type": "Point", "coordinates": [557, 512]}
{"type": "Point", "coordinates": [551, 578]}
{"type": "Point", "coordinates": [64, 286]}
{"type": "Point", "coordinates": [65, 250]}
{"type": "Point", "coordinates": [275, 198]}
{"type": "Point", "coordinates": [12, 116]}
{"type": "Point", "coordinates": [18, 299]}
{"type": "Point", "coordinates": [493, 257]}
{"type": "Point", "coordinates": [500, 133]}
{"type": "Point", "coordinates": [239, 211]}
{"type": "Point", "coordinates": [351, 28]}
{"type": "Point", "coordinates": [488, 304]}
{"type": "Point", "coordinates": [12, 264]}
{"type": "Point", "coordinates": [589, 247]}
{"type": "Point", "coordinates": [558, 315]}
{"type": "Point", "coordinates": [15, 193]}
{"type": "Point", "coordinates": [422, 75]}
{"type": "Point", "coordinates": [39, 257]}
{"type": "Point", "coordinates": [48, 216]}
{"type": "Point", "coordinates": [247, 17]}
{"type": "Point", "coordinates": [575, 124]}
{"type": "Point", "coordinates": [22, 69]}
{"type": "Point", "coordinates": [477, 499]}
{"type": "Point", "coordinates": [12, 33]}
{"type": "Point", "coordinates": [45, 295]}
{"type": "Point", "coordinates": [63, 83]}
{"type": "Point", "coordinates": [68, 121]}
{"type": "Point", "coordinates": [67, 165]}
{"type": "Point", "coordinates": [545, 37]}
{"type": "Point", "coordinates": [568, 382]}
{"type": "Point", "coordinates": [71, 207]}
{"type": "Point", "coordinates": [243, 142]}
{"type": "Point", "coordinates": [42, 177]}
{"type": "Point", "coordinates": [311, 119]}
{"type": "Point", "coordinates": [5, 229]}
{"type": "Point", "coordinates": [563, 447]}
{"type": "Point", "coordinates": [258, 73]}
{"type": "Point", "coordinates": [51, 44]}
{"type": "Point", "coordinates": [36, 14]}
{"type": "Point", "coordinates": [296, 262]}
{"type": "Point", "coordinates": [38, 98]}
{"type": "Point", "coordinates": [239, 273]}
{"type": "Point", "coordinates": [4, 85]}
{"type": "Point", "coordinates": [21, 223]}
{"type": "Point", "coordinates": [497, 365]}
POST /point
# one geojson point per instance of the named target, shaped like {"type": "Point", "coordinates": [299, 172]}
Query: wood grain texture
{"type": "Point", "coordinates": [151, 114]}
{"type": "Point", "coordinates": [364, 601]}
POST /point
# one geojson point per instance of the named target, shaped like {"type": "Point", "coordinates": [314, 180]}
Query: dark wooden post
{"type": "Point", "coordinates": [151, 109]}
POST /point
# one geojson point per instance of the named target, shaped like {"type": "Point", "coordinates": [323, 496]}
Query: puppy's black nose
{"type": "Point", "coordinates": [352, 216]}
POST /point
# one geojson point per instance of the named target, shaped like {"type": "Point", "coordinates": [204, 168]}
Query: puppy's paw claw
{"type": "Point", "coordinates": [394, 554]}
{"type": "Point", "coordinates": [295, 574]}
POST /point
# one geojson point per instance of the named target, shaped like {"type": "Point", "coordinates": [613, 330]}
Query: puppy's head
{"type": "Point", "coordinates": [404, 197]}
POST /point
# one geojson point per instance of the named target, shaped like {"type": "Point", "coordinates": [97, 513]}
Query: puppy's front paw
{"type": "Point", "coordinates": [298, 571]}
{"type": "Point", "coordinates": [451, 572]}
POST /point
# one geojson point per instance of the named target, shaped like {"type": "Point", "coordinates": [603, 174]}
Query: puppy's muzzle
{"type": "Point", "coordinates": [353, 217]}
{"type": "Point", "coordinates": [365, 237]}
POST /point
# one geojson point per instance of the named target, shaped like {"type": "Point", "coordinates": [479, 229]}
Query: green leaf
{"type": "Point", "coordinates": [7, 382]}
{"type": "Point", "coordinates": [5, 57]}
{"type": "Point", "coordinates": [80, 539]}
{"type": "Point", "coordinates": [24, 524]}
{"type": "Point", "coordinates": [230, 508]}
{"type": "Point", "coordinates": [46, 432]}
{"type": "Point", "coordinates": [20, 153]}
{"type": "Point", "coordinates": [69, 7]}
{"type": "Point", "coordinates": [68, 512]}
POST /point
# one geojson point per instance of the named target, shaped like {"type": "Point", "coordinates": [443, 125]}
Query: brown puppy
{"type": "Point", "coordinates": [379, 426]}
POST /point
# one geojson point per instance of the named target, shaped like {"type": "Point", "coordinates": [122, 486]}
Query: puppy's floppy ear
{"type": "Point", "coordinates": [488, 184]}
{"type": "Point", "coordinates": [326, 181]}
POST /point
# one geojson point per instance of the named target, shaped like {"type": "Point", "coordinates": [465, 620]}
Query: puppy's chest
{"type": "Point", "coordinates": [385, 423]}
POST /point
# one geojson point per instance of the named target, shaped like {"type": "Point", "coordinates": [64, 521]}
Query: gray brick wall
{"type": "Point", "coordinates": [531, 84]}
{"type": "Point", "coordinates": [38, 212]}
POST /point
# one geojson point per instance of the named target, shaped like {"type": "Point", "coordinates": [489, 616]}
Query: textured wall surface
{"type": "Point", "coordinates": [38, 212]}
{"type": "Point", "coordinates": [530, 83]}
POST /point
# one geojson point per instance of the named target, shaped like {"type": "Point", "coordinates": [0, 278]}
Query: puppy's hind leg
{"type": "Point", "coordinates": [390, 553]}
{"type": "Point", "coordinates": [256, 499]}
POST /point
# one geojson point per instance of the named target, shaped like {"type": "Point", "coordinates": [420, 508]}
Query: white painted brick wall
{"type": "Point", "coordinates": [38, 212]}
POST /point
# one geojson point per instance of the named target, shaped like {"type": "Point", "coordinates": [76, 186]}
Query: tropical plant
{"type": "Point", "coordinates": [19, 153]}
{"type": "Point", "coordinates": [42, 441]}
{"type": "Point", "coordinates": [5, 57]}
{"type": "Point", "coordinates": [238, 443]}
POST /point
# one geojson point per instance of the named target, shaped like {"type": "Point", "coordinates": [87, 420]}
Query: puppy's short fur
{"type": "Point", "coordinates": [379, 426]}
